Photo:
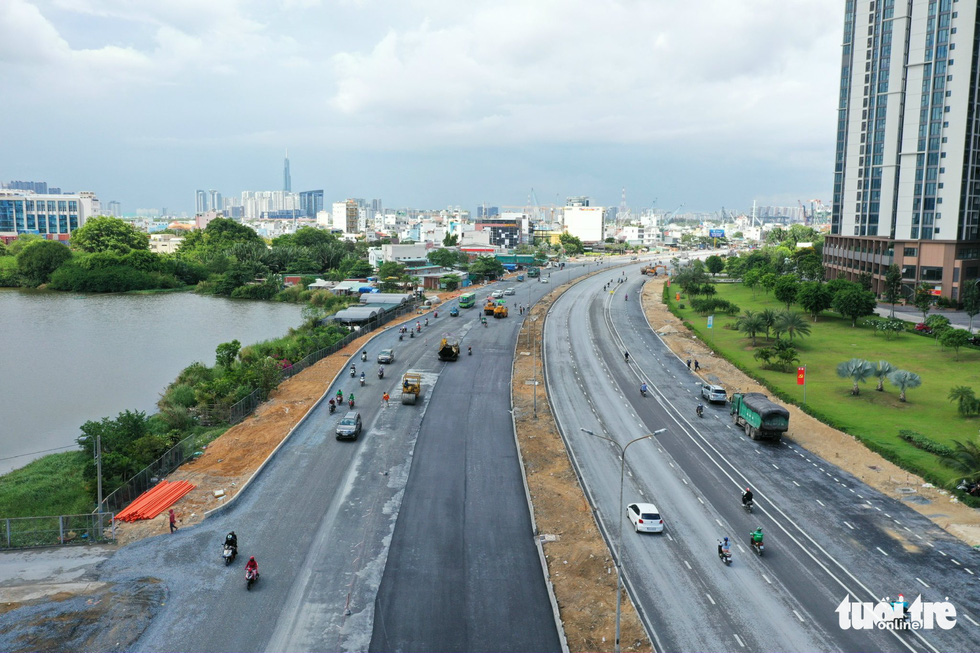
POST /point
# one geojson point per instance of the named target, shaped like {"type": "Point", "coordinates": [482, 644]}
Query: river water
{"type": "Point", "coordinates": [69, 358]}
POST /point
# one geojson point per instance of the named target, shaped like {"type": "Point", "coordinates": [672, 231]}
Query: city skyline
{"type": "Point", "coordinates": [426, 104]}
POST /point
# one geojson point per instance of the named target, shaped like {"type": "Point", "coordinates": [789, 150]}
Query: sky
{"type": "Point", "coordinates": [425, 103]}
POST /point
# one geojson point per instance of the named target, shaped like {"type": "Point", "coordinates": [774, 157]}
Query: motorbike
{"type": "Point", "coordinates": [435, 314]}
{"type": "Point", "coordinates": [381, 373]}
{"type": "Point", "coordinates": [363, 355]}
{"type": "Point", "coordinates": [333, 407]}
{"type": "Point", "coordinates": [643, 391]}
{"type": "Point", "coordinates": [229, 553]}
{"type": "Point", "coordinates": [362, 378]}
{"type": "Point", "coordinates": [411, 334]}
{"type": "Point", "coordinates": [469, 351]}
{"type": "Point", "coordinates": [352, 372]}
{"type": "Point", "coordinates": [350, 403]}
{"type": "Point", "coordinates": [725, 556]}
{"type": "Point", "coordinates": [250, 578]}
{"type": "Point", "coordinates": [401, 336]}
{"type": "Point", "coordinates": [426, 321]}
{"type": "Point", "coordinates": [748, 505]}
{"type": "Point", "coordinates": [758, 547]}
{"type": "Point", "coordinates": [700, 411]}
{"type": "Point", "coordinates": [418, 327]}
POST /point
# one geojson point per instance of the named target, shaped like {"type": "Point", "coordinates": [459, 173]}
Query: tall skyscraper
{"type": "Point", "coordinates": [311, 202]}
{"type": "Point", "coordinates": [200, 201]}
{"type": "Point", "coordinates": [287, 182]}
{"type": "Point", "coordinates": [214, 201]}
{"type": "Point", "coordinates": [907, 170]}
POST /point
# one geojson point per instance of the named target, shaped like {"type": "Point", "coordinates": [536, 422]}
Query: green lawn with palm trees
{"type": "Point", "coordinates": [874, 417]}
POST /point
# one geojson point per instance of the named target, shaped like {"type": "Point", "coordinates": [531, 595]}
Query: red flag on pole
{"type": "Point", "coordinates": [800, 375]}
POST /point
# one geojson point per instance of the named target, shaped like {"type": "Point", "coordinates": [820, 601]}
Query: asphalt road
{"type": "Point", "coordinates": [417, 536]}
{"type": "Point", "coordinates": [828, 535]}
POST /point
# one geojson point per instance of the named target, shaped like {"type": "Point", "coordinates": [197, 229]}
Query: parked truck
{"type": "Point", "coordinates": [761, 418]}
{"type": "Point", "coordinates": [448, 351]}
{"type": "Point", "coordinates": [533, 272]}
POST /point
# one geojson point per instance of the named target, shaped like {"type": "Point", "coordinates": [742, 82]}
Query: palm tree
{"type": "Point", "coordinates": [856, 369]}
{"type": "Point", "coordinates": [966, 459]}
{"type": "Point", "coordinates": [750, 324]}
{"type": "Point", "coordinates": [769, 319]}
{"type": "Point", "coordinates": [883, 369]}
{"type": "Point", "coordinates": [965, 399]}
{"type": "Point", "coordinates": [904, 380]}
{"type": "Point", "coordinates": [793, 324]}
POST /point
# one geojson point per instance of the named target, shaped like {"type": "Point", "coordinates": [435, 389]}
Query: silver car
{"type": "Point", "coordinates": [714, 393]}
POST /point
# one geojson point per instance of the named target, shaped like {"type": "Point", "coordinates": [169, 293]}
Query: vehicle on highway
{"type": "Point", "coordinates": [454, 312]}
{"type": "Point", "coordinates": [761, 418]}
{"type": "Point", "coordinates": [714, 393]}
{"type": "Point", "coordinates": [349, 426]}
{"type": "Point", "coordinates": [467, 300]}
{"type": "Point", "coordinates": [386, 356]}
{"type": "Point", "coordinates": [510, 291]}
{"type": "Point", "coordinates": [645, 518]}
{"type": "Point", "coordinates": [545, 280]}
{"type": "Point", "coordinates": [497, 294]}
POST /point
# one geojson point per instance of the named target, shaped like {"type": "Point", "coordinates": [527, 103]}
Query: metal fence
{"type": "Point", "coordinates": [152, 473]}
{"type": "Point", "coordinates": [32, 532]}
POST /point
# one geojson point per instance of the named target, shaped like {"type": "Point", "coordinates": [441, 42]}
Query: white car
{"type": "Point", "coordinates": [496, 294]}
{"type": "Point", "coordinates": [645, 517]}
{"type": "Point", "coordinates": [714, 393]}
{"type": "Point", "coordinates": [510, 291]}
{"type": "Point", "coordinates": [545, 280]}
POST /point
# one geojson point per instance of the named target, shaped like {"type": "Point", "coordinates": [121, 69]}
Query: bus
{"type": "Point", "coordinates": [467, 300]}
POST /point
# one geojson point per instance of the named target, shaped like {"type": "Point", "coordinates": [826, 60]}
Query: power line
{"type": "Point", "coordinates": [34, 453]}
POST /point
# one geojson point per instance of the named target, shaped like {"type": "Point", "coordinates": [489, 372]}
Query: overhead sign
{"type": "Point", "coordinates": [716, 233]}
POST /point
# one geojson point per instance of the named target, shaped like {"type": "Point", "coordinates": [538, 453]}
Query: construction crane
{"type": "Point", "coordinates": [671, 215]}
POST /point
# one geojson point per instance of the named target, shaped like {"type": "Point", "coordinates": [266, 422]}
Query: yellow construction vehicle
{"type": "Point", "coordinates": [411, 388]}
{"type": "Point", "coordinates": [500, 310]}
{"type": "Point", "coordinates": [448, 351]}
{"type": "Point", "coordinates": [489, 308]}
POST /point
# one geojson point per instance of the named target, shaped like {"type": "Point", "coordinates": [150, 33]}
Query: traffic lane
{"type": "Point", "coordinates": [852, 558]}
{"type": "Point", "coordinates": [276, 519]}
{"type": "Point", "coordinates": [462, 572]}
{"type": "Point", "coordinates": [717, 591]}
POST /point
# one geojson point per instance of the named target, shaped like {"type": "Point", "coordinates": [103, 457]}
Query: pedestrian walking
{"type": "Point", "coordinates": [697, 365]}
{"type": "Point", "coordinates": [173, 521]}
{"type": "Point", "coordinates": [385, 398]}
{"type": "Point", "coordinates": [688, 363]}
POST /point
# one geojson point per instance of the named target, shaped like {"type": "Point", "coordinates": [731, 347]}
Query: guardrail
{"type": "Point", "coordinates": [34, 532]}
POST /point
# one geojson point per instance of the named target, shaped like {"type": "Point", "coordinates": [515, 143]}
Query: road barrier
{"type": "Point", "coordinates": [33, 532]}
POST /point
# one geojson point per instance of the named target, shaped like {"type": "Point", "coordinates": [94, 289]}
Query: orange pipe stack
{"type": "Point", "coordinates": [154, 501]}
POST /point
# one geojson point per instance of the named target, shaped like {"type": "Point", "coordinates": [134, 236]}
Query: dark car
{"type": "Point", "coordinates": [386, 356]}
{"type": "Point", "coordinates": [349, 426]}
{"type": "Point", "coordinates": [454, 312]}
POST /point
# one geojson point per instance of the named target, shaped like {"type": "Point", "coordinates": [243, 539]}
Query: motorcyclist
{"type": "Point", "coordinates": [381, 371]}
{"type": "Point", "coordinates": [350, 399]}
{"type": "Point", "coordinates": [643, 389]}
{"type": "Point", "coordinates": [426, 321]}
{"type": "Point", "coordinates": [332, 404]}
{"type": "Point", "coordinates": [418, 326]}
{"type": "Point", "coordinates": [364, 355]}
{"type": "Point", "coordinates": [353, 370]}
{"type": "Point", "coordinates": [626, 356]}
{"type": "Point", "coordinates": [724, 547]}
{"type": "Point", "coordinates": [252, 566]}
{"type": "Point", "coordinates": [340, 397]}
{"type": "Point", "coordinates": [746, 496]}
{"type": "Point", "coordinates": [756, 536]}
{"type": "Point", "coordinates": [232, 540]}
{"type": "Point", "coordinates": [700, 409]}
{"type": "Point", "coordinates": [362, 378]}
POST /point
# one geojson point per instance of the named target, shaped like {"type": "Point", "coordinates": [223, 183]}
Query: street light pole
{"type": "Point", "coordinates": [534, 366]}
{"type": "Point", "coordinates": [619, 544]}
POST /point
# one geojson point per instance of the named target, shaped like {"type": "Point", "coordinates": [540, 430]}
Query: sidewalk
{"type": "Point", "coordinates": [958, 319]}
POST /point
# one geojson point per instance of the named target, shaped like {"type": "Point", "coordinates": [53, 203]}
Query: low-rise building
{"type": "Point", "coordinates": [54, 216]}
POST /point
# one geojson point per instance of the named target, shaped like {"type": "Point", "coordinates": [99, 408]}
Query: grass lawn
{"type": "Point", "coordinates": [51, 485]}
{"type": "Point", "coordinates": [874, 417]}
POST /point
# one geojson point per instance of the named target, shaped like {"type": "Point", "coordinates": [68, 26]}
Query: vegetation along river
{"type": "Point", "coordinates": [68, 358]}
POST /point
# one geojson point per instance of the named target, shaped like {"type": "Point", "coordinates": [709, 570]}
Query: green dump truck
{"type": "Point", "coordinates": [533, 272]}
{"type": "Point", "coordinates": [761, 418]}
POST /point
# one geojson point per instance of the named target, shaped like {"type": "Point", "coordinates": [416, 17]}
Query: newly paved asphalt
{"type": "Point", "coordinates": [828, 535]}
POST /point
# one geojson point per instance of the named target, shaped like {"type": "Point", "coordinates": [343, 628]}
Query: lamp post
{"type": "Point", "coordinates": [534, 366]}
{"type": "Point", "coordinates": [619, 544]}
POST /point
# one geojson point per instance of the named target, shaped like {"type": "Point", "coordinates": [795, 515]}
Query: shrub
{"type": "Point", "coordinates": [922, 442]}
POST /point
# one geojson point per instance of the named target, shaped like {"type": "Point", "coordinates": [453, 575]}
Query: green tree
{"type": "Point", "coordinates": [954, 339]}
{"type": "Point", "coordinates": [572, 245]}
{"type": "Point", "coordinates": [881, 371]}
{"type": "Point", "coordinates": [714, 264]}
{"type": "Point", "coordinates": [486, 267]}
{"type": "Point", "coordinates": [814, 297]}
{"type": "Point", "coordinates": [857, 370]}
{"type": "Point", "coordinates": [786, 289]}
{"type": "Point", "coordinates": [792, 323]}
{"type": "Point", "coordinates": [768, 281]}
{"type": "Point", "coordinates": [216, 239]}
{"type": "Point", "coordinates": [450, 240]}
{"type": "Point", "coordinates": [226, 352]}
{"type": "Point", "coordinates": [735, 267]}
{"type": "Point", "coordinates": [854, 303]}
{"type": "Point", "coordinates": [22, 241]}
{"type": "Point", "coordinates": [356, 268]}
{"type": "Point", "coordinates": [893, 286]}
{"type": "Point", "coordinates": [904, 380]}
{"type": "Point", "coordinates": [752, 277]}
{"type": "Point", "coordinates": [449, 281]}
{"type": "Point", "coordinates": [971, 301]}
{"type": "Point", "coordinates": [966, 400]}
{"type": "Point", "coordinates": [40, 259]}
{"type": "Point", "coordinates": [108, 234]}
{"type": "Point", "coordinates": [750, 324]}
{"type": "Point", "coordinates": [3, 248]}
{"type": "Point", "coordinates": [442, 256]}
{"type": "Point", "coordinates": [392, 275]}
{"type": "Point", "coordinates": [965, 459]}
{"type": "Point", "coordinates": [865, 280]}
{"type": "Point", "coordinates": [768, 319]}
{"type": "Point", "coordinates": [923, 300]}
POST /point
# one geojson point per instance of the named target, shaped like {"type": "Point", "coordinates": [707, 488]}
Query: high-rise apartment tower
{"type": "Point", "coordinates": [907, 169]}
{"type": "Point", "coordinates": [287, 181]}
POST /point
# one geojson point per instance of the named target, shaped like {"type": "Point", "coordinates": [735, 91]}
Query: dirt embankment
{"type": "Point", "coordinates": [832, 445]}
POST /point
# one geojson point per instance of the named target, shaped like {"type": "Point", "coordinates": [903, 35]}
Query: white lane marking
{"type": "Point", "coordinates": [685, 481]}
{"type": "Point", "coordinates": [821, 503]}
{"type": "Point", "coordinates": [942, 553]}
{"type": "Point", "coordinates": [702, 502]}
{"type": "Point", "coordinates": [774, 465]}
{"type": "Point", "coordinates": [739, 640]}
{"type": "Point", "coordinates": [955, 562]}
{"type": "Point", "coordinates": [797, 484]}
{"type": "Point", "coordinates": [688, 564]}
{"type": "Point", "coordinates": [969, 572]}
{"type": "Point", "coordinates": [971, 619]}
{"type": "Point", "coordinates": [849, 526]}
{"type": "Point", "coordinates": [718, 521]}
{"type": "Point", "coordinates": [710, 599]}
{"type": "Point", "coordinates": [767, 579]}
{"type": "Point", "coordinates": [924, 584]}
{"type": "Point", "coordinates": [798, 615]}
{"type": "Point", "coordinates": [880, 549]}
